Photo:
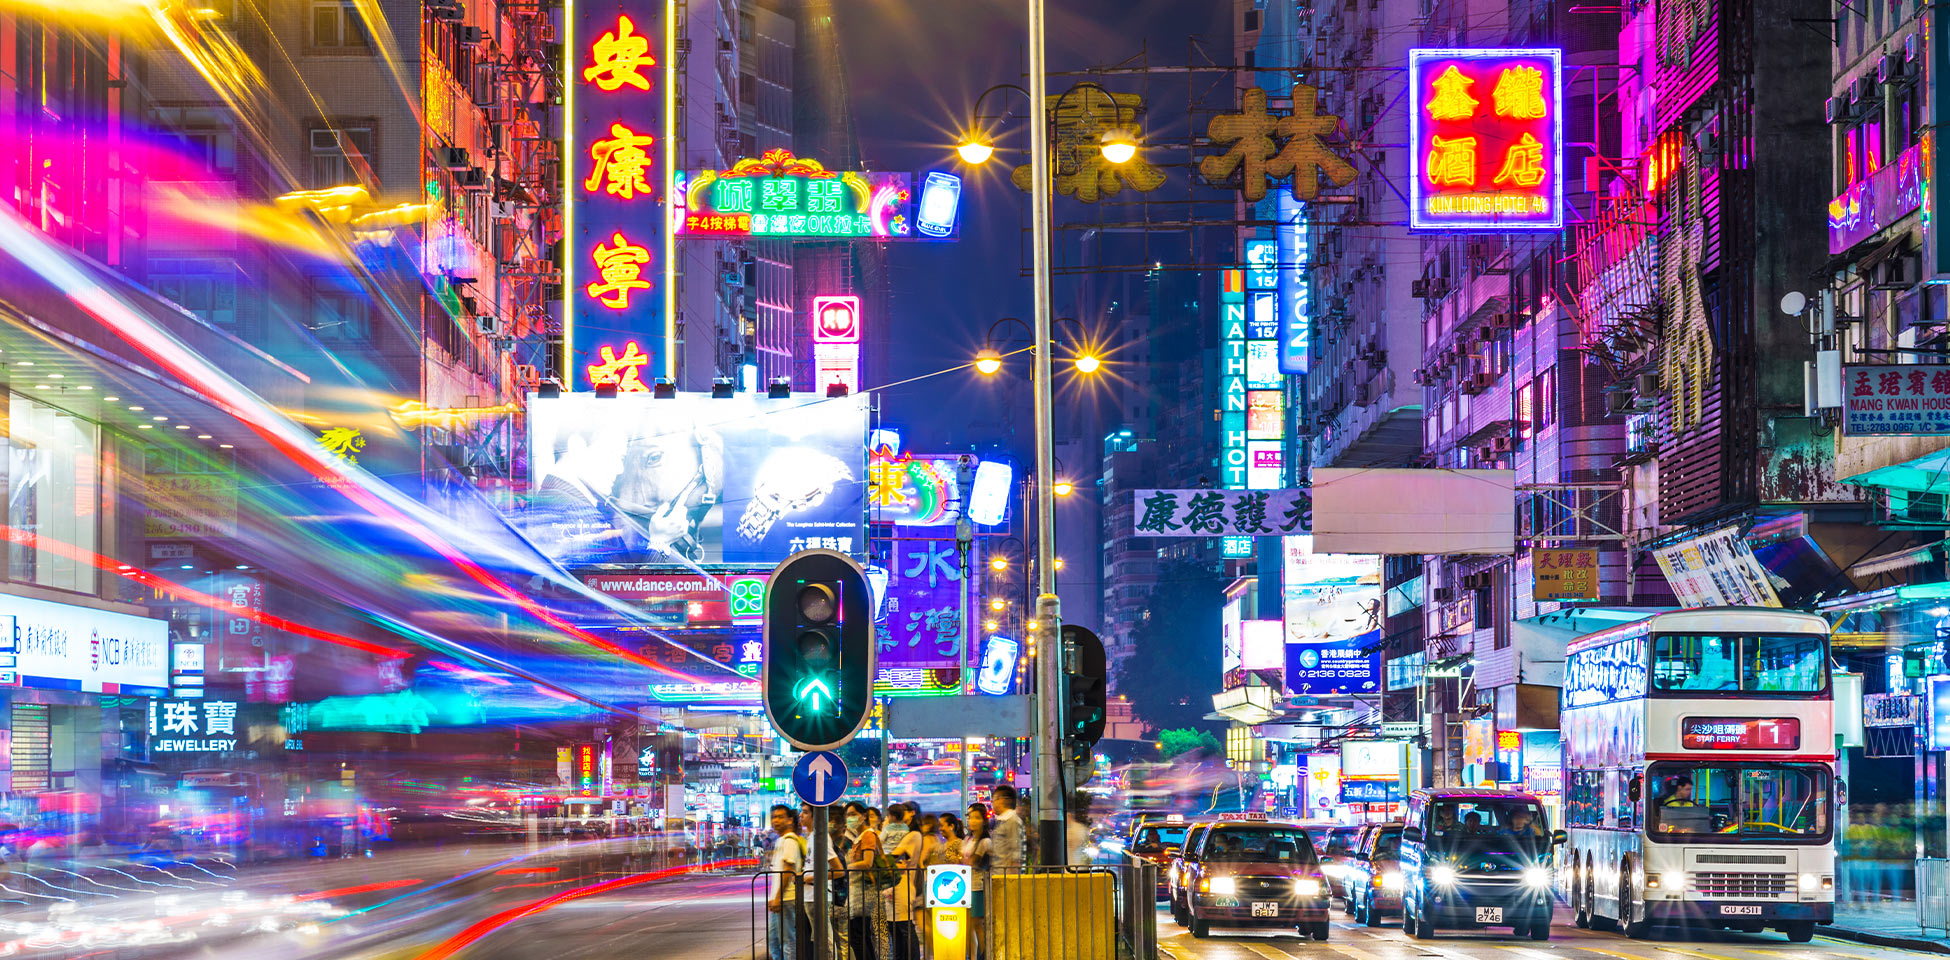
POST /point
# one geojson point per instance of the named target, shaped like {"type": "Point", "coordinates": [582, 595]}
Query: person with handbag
{"type": "Point", "coordinates": [977, 852]}
{"type": "Point", "coordinates": [863, 915]}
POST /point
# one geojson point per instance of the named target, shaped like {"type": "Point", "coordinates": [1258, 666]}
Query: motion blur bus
{"type": "Point", "coordinates": [1699, 772]}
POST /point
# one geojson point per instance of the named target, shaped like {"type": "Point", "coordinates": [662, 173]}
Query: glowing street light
{"type": "Point", "coordinates": [1119, 145]}
{"type": "Point", "coordinates": [1088, 364]}
{"type": "Point", "coordinates": [991, 625]}
{"type": "Point", "coordinates": [998, 605]}
{"type": "Point", "coordinates": [999, 564]}
{"type": "Point", "coordinates": [988, 362]}
{"type": "Point", "coordinates": [1059, 563]}
{"type": "Point", "coordinates": [1063, 488]}
{"type": "Point", "coordinates": [975, 149]}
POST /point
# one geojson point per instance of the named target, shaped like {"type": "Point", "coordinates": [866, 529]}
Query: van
{"type": "Point", "coordinates": [1477, 858]}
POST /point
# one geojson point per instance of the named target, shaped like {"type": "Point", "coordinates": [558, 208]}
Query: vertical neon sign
{"type": "Point", "coordinates": [1486, 139]}
{"type": "Point", "coordinates": [617, 274]}
{"type": "Point", "coordinates": [1232, 395]}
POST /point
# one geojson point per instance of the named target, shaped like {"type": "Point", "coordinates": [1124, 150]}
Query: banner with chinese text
{"type": "Point", "coordinates": [926, 587]}
{"type": "Point", "coordinates": [1213, 513]}
{"type": "Point", "coordinates": [1910, 399]}
{"type": "Point", "coordinates": [1717, 570]}
{"type": "Point", "coordinates": [616, 265]}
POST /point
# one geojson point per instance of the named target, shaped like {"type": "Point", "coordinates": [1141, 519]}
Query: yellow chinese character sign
{"type": "Point", "coordinates": [1564, 574]}
{"type": "Point", "coordinates": [617, 170]}
{"type": "Point", "coordinates": [1487, 139]}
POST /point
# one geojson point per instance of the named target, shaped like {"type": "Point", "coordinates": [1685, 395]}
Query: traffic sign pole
{"type": "Point", "coordinates": [821, 891]}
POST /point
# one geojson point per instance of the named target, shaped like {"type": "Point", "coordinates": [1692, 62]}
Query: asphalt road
{"type": "Point", "coordinates": [1351, 941]}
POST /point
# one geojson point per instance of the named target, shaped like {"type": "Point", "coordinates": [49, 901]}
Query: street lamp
{"type": "Point", "coordinates": [1088, 364]}
{"type": "Point", "coordinates": [975, 149]}
{"type": "Point", "coordinates": [1118, 145]}
{"type": "Point", "coordinates": [999, 564]}
{"type": "Point", "coordinates": [988, 362]}
{"type": "Point", "coordinates": [1063, 488]}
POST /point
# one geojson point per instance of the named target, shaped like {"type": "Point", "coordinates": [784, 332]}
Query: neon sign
{"type": "Point", "coordinates": [836, 320]}
{"type": "Point", "coordinates": [787, 197]}
{"type": "Point", "coordinates": [1486, 135]}
{"type": "Point", "coordinates": [619, 151]}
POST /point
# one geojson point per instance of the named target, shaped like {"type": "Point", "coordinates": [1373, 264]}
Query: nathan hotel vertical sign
{"type": "Point", "coordinates": [617, 270]}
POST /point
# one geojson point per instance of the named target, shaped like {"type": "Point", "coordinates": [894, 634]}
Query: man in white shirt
{"type": "Point", "coordinates": [1007, 838]}
{"type": "Point", "coordinates": [782, 910]}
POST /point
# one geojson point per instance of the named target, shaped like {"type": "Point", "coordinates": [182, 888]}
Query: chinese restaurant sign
{"type": "Point", "coordinates": [617, 270]}
{"type": "Point", "coordinates": [1565, 575]}
{"type": "Point", "coordinates": [1486, 149]}
{"type": "Point", "coordinates": [787, 197]}
{"type": "Point", "coordinates": [1220, 513]}
{"type": "Point", "coordinates": [1909, 399]}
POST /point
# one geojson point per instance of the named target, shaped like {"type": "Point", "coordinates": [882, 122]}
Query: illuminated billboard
{"type": "Point", "coordinates": [738, 480]}
{"type": "Point", "coordinates": [793, 198]}
{"type": "Point", "coordinates": [617, 273]}
{"type": "Point", "coordinates": [1486, 147]}
{"type": "Point", "coordinates": [836, 342]}
{"type": "Point", "coordinates": [1328, 597]}
{"type": "Point", "coordinates": [915, 490]}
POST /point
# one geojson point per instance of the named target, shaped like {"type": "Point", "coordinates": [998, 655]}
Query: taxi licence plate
{"type": "Point", "coordinates": [1266, 908]}
{"type": "Point", "coordinates": [1733, 910]}
{"type": "Point", "coordinates": [1489, 914]}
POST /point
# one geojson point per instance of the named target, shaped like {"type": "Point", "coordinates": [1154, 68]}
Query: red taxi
{"type": "Point", "coordinates": [1256, 873]}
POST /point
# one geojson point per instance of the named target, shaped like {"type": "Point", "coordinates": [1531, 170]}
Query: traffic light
{"type": "Point", "coordinates": [817, 679]}
{"type": "Point", "coordinates": [1088, 685]}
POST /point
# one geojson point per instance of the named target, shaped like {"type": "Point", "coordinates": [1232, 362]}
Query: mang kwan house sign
{"type": "Point", "coordinates": [1896, 400]}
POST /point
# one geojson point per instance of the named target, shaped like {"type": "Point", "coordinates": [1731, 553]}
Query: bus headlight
{"type": "Point", "coordinates": [1223, 886]}
{"type": "Point", "coordinates": [1807, 881]}
{"type": "Point", "coordinates": [1442, 874]}
{"type": "Point", "coordinates": [1536, 877]}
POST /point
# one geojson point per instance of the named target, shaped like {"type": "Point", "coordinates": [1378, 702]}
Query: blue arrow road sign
{"type": "Point", "coordinates": [947, 886]}
{"type": "Point", "coordinates": [819, 778]}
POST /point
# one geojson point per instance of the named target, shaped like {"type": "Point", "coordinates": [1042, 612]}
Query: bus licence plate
{"type": "Point", "coordinates": [1489, 914]}
{"type": "Point", "coordinates": [1733, 910]}
{"type": "Point", "coordinates": [1266, 908]}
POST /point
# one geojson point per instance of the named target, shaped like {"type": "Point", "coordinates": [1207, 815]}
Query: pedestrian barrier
{"type": "Point", "coordinates": [1933, 893]}
{"type": "Point", "coordinates": [1042, 914]}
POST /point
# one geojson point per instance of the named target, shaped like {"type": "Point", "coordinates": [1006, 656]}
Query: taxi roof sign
{"type": "Point", "coordinates": [1174, 818]}
{"type": "Point", "coordinates": [1249, 815]}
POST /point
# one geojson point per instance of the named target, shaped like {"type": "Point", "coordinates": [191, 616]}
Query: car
{"type": "Point", "coordinates": [1256, 874]}
{"type": "Point", "coordinates": [1333, 858]}
{"type": "Point", "coordinates": [1177, 873]}
{"type": "Point", "coordinates": [1374, 873]}
{"type": "Point", "coordinates": [1475, 858]}
{"type": "Point", "coordinates": [1158, 841]}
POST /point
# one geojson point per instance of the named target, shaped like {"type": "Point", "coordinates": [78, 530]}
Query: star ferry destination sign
{"type": "Point", "coordinates": [1486, 139]}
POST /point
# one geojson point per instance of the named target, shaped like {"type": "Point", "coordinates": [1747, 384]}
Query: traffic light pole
{"type": "Point", "coordinates": [821, 889]}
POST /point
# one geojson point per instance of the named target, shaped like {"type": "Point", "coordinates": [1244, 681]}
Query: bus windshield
{"type": "Point", "coordinates": [1747, 663]}
{"type": "Point", "coordinates": [1733, 800]}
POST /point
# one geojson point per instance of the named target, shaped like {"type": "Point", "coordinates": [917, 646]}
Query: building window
{"type": "Point", "coordinates": [53, 493]}
{"type": "Point", "coordinates": [339, 313]}
{"type": "Point", "coordinates": [202, 136]}
{"type": "Point", "coordinates": [339, 154]}
{"type": "Point", "coordinates": [1546, 398]}
{"type": "Point", "coordinates": [207, 288]}
{"type": "Point", "coordinates": [335, 26]}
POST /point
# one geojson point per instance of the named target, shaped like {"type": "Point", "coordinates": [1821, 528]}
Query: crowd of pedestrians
{"type": "Point", "coordinates": [877, 862]}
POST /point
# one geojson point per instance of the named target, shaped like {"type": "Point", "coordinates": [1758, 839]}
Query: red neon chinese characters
{"type": "Point", "coordinates": [1519, 93]}
{"type": "Point", "coordinates": [623, 371]}
{"type": "Point", "coordinates": [1452, 161]}
{"type": "Point", "coordinates": [1452, 100]}
{"type": "Point", "coordinates": [619, 57]}
{"type": "Point", "coordinates": [622, 165]}
{"type": "Point", "coordinates": [1523, 164]}
{"type": "Point", "coordinates": [621, 267]}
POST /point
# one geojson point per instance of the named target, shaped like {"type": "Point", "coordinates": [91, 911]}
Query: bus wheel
{"type": "Point", "coordinates": [1636, 929]}
{"type": "Point", "coordinates": [1581, 897]}
{"type": "Point", "coordinates": [1799, 931]}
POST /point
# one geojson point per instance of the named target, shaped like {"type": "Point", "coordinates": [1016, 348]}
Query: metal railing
{"type": "Point", "coordinates": [1933, 894]}
{"type": "Point", "coordinates": [1091, 912]}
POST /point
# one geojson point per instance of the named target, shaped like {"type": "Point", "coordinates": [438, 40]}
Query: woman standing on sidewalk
{"type": "Point", "coordinates": [975, 851]}
{"type": "Point", "coordinates": [863, 914]}
{"type": "Point", "coordinates": [911, 856]}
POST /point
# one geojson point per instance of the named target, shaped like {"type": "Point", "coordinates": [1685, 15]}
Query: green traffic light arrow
{"type": "Point", "coordinates": [815, 687]}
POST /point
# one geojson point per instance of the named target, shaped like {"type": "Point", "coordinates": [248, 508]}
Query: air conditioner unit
{"type": "Point", "coordinates": [1833, 109]}
{"type": "Point", "coordinates": [1504, 444]}
{"type": "Point", "coordinates": [1485, 454]}
{"type": "Point", "coordinates": [451, 158]}
{"type": "Point", "coordinates": [1619, 402]}
{"type": "Point", "coordinates": [1481, 382]}
{"type": "Point", "coordinates": [472, 35]}
{"type": "Point", "coordinates": [488, 324]}
{"type": "Point", "coordinates": [526, 375]}
{"type": "Point", "coordinates": [1647, 385]}
{"type": "Point", "coordinates": [472, 178]}
{"type": "Point", "coordinates": [1910, 46]}
{"type": "Point", "coordinates": [1443, 594]}
{"type": "Point", "coordinates": [1882, 69]}
{"type": "Point", "coordinates": [1863, 91]}
{"type": "Point", "coordinates": [1504, 321]}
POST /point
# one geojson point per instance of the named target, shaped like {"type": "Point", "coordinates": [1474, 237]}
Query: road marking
{"type": "Point", "coordinates": [1529, 953]}
{"type": "Point", "coordinates": [1270, 953]}
{"type": "Point", "coordinates": [1353, 953]}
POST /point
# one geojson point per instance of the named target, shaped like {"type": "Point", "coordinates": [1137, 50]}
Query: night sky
{"type": "Point", "coordinates": [915, 70]}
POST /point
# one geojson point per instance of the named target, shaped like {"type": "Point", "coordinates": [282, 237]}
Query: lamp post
{"type": "Point", "coordinates": [1118, 146]}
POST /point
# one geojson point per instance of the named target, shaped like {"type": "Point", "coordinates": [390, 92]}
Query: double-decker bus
{"type": "Point", "coordinates": [1699, 772]}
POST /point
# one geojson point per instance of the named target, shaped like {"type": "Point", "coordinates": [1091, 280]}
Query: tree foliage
{"type": "Point", "coordinates": [1172, 743]}
{"type": "Point", "coordinates": [1174, 668]}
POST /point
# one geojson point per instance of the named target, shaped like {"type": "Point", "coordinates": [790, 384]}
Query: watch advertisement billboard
{"type": "Point", "coordinates": [695, 479]}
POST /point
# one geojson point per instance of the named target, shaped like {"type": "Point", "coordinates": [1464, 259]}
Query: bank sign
{"type": "Point", "coordinates": [1908, 399]}
{"type": "Point", "coordinates": [62, 646]}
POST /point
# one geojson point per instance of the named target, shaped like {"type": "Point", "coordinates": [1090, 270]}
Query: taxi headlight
{"type": "Point", "coordinates": [1223, 886]}
{"type": "Point", "coordinates": [1307, 886]}
{"type": "Point", "coordinates": [1391, 881]}
{"type": "Point", "coordinates": [1537, 877]}
{"type": "Point", "coordinates": [1442, 874]}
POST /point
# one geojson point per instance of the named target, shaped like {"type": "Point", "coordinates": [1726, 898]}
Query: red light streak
{"type": "Point", "coordinates": [361, 888]}
{"type": "Point", "coordinates": [455, 943]}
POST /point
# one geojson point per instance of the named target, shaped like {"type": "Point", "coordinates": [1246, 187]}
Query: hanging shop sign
{"type": "Point", "coordinates": [1564, 575]}
{"type": "Point", "coordinates": [1213, 513]}
{"type": "Point", "coordinates": [1262, 148]}
{"type": "Point", "coordinates": [62, 646]}
{"type": "Point", "coordinates": [1896, 400]}
{"type": "Point", "coordinates": [1486, 148]}
{"type": "Point", "coordinates": [783, 197]}
{"type": "Point", "coordinates": [192, 726]}
{"type": "Point", "coordinates": [1716, 570]}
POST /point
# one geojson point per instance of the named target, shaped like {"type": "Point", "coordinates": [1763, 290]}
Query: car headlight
{"type": "Point", "coordinates": [1223, 886]}
{"type": "Point", "coordinates": [1307, 886]}
{"type": "Point", "coordinates": [1391, 881]}
{"type": "Point", "coordinates": [1536, 877]}
{"type": "Point", "coordinates": [1333, 870]}
{"type": "Point", "coordinates": [1442, 874]}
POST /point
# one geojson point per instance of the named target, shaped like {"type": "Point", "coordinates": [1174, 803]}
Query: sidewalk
{"type": "Point", "coordinates": [1887, 923]}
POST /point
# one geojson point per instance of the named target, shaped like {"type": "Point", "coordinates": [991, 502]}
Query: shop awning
{"type": "Point", "coordinates": [1927, 474]}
